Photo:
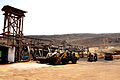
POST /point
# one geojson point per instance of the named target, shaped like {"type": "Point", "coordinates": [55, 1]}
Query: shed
{"type": "Point", "coordinates": [7, 54]}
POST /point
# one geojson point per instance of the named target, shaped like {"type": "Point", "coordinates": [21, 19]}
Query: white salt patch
{"type": "Point", "coordinates": [27, 65]}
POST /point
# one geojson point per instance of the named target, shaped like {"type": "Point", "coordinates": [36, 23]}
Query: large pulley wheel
{"type": "Point", "coordinates": [25, 55]}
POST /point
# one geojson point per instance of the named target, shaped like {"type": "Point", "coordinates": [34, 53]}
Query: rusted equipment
{"type": "Point", "coordinates": [108, 56]}
{"type": "Point", "coordinates": [13, 29]}
{"type": "Point", "coordinates": [92, 57]}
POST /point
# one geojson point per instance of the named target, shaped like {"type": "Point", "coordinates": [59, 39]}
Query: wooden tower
{"type": "Point", "coordinates": [13, 28]}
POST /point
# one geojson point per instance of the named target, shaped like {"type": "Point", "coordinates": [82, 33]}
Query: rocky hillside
{"type": "Point", "coordinates": [82, 39]}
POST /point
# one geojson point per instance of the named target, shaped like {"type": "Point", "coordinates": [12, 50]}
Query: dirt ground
{"type": "Point", "coordinates": [83, 70]}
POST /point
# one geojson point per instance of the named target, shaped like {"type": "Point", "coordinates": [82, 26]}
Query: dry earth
{"type": "Point", "coordinates": [83, 70]}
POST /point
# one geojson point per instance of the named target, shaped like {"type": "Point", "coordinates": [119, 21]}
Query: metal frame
{"type": "Point", "coordinates": [13, 28]}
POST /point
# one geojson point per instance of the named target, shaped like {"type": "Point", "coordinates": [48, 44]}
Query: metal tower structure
{"type": "Point", "coordinates": [13, 28]}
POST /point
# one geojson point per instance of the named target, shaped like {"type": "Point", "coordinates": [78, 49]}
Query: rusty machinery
{"type": "Point", "coordinates": [13, 28]}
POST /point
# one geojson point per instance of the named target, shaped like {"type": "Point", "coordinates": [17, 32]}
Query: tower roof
{"type": "Point", "coordinates": [12, 10]}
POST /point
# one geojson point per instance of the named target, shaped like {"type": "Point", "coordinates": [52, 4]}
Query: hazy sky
{"type": "Point", "coordinates": [46, 17]}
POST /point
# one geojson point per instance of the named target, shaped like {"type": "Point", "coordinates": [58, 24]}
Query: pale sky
{"type": "Point", "coordinates": [48, 17]}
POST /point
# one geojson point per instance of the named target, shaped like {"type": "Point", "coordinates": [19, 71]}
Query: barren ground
{"type": "Point", "coordinates": [83, 70]}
